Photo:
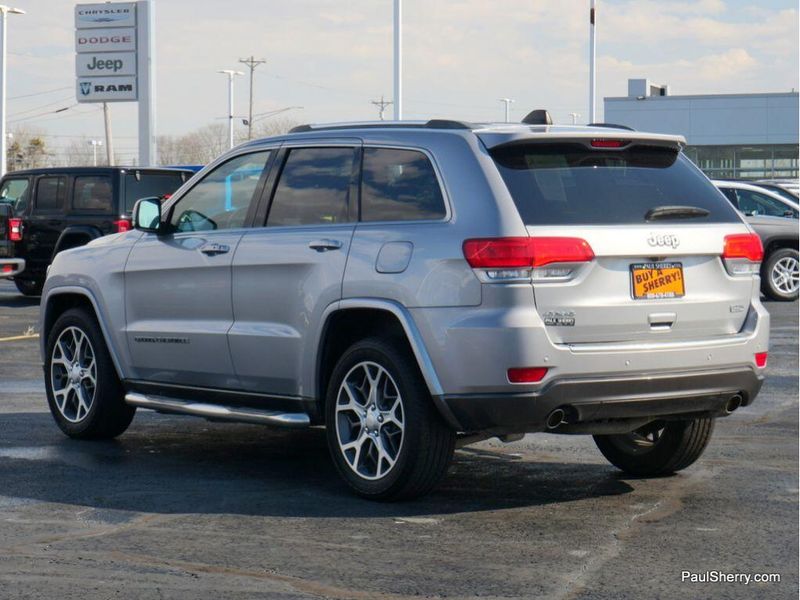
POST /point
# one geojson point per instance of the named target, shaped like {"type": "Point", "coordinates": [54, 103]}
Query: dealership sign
{"type": "Point", "coordinates": [99, 64]}
{"type": "Point", "coordinates": [105, 40]}
{"type": "Point", "coordinates": [106, 89]}
{"type": "Point", "coordinates": [120, 14]}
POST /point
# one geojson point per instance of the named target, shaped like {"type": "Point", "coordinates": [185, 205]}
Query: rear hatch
{"type": "Point", "coordinates": [649, 230]}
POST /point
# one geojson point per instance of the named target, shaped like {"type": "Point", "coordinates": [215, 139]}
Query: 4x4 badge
{"type": "Point", "coordinates": [664, 239]}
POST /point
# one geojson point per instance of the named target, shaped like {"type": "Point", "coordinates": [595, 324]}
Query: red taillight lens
{"type": "Point", "coordinates": [527, 374]}
{"type": "Point", "coordinates": [743, 245]}
{"type": "Point", "coordinates": [8, 269]}
{"type": "Point", "coordinates": [547, 250]}
{"type": "Point", "coordinates": [123, 225]}
{"type": "Point", "coordinates": [608, 143]}
{"type": "Point", "coordinates": [761, 359]}
{"type": "Point", "coordinates": [518, 252]}
{"type": "Point", "coordinates": [15, 230]}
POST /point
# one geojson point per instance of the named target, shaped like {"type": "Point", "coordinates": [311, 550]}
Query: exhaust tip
{"type": "Point", "coordinates": [556, 418]}
{"type": "Point", "coordinates": [734, 403]}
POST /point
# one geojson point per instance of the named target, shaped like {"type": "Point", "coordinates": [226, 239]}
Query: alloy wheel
{"type": "Point", "coordinates": [73, 374]}
{"type": "Point", "coordinates": [370, 420]}
{"type": "Point", "coordinates": [785, 275]}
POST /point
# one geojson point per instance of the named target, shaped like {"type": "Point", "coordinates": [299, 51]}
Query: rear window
{"type": "Point", "coordinates": [150, 184]}
{"type": "Point", "coordinates": [570, 184]}
{"type": "Point", "coordinates": [92, 194]}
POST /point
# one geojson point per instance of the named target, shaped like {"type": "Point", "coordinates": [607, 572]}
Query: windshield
{"type": "Point", "coordinates": [570, 184]}
{"type": "Point", "coordinates": [150, 184]}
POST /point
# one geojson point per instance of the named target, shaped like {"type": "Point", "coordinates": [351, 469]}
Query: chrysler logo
{"type": "Point", "coordinates": [664, 239]}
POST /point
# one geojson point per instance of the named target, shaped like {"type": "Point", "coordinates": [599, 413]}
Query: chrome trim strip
{"type": "Point", "coordinates": [217, 411]}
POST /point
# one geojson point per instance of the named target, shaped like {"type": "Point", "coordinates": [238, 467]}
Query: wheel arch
{"type": "Point", "coordinates": [774, 244]}
{"type": "Point", "coordinates": [349, 320]}
{"type": "Point", "coordinates": [60, 300]}
{"type": "Point", "coordinates": [79, 233]}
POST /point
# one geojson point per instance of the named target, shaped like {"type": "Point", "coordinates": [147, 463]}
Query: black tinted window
{"type": "Point", "coordinates": [146, 185]}
{"type": "Point", "coordinates": [313, 187]}
{"type": "Point", "coordinates": [570, 184]}
{"type": "Point", "coordinates": [50, 193]}
{"type": "Point", "coordinates": [753, 203]}
{"type": "Point", "coordinates": [399, 185]}
{"type": "Point", "coordinates": [92, 194]}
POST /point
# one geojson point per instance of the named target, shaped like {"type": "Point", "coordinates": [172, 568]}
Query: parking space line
{"type": "Point", "coordinates": [20, 337]}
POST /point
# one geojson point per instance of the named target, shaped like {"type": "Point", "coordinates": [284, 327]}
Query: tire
{"type": "Point", "coordinates": [659, 448]}
{"type": "Point", "coordinates": [780, 277]}
{"type": "Point", "coordinates": [29, 287]}
{"type": "Point", "coordinates": [401, 447]}
{"type": "Point", "coordinates": [103, 414]}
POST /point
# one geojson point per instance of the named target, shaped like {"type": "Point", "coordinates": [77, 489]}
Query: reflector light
{"type": "Point", "coordinates": [743, 245]}
{"type": "Point", "coordinates": [761, 359]}
{"type": "Point", "coordinates": [609, 143]}
{"type": "Point", "coordinates": [7, 268]}
{"type": "Point", "coordinates": [520, 252]}
{"type": "Point", "coordinates": [15, 230]}
{"type": "Point", "coordinates": [123, 225]}
{"type": "Point", "coordinates": [527, 374]}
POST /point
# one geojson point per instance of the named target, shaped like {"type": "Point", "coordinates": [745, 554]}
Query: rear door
{"type": "Point", "coordinates": [46, 220]}
{"type": "Point", "coordinates": [657, 273]}
{"type": "Point", "coordinates": [288, 272]}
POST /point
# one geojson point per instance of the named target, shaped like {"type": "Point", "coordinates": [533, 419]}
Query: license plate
{"type": "Point", "coordinates": [657, 280]}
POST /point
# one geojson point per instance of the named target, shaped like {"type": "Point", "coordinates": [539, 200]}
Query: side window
{"type": "Point", "coordinates": [730, 194]}
{"type": "Point", "coordinates": [15, 193]}
{"type": "Point", "coordinates": [92, 194]}
{"type": "Point", "coordinates": [222, 198]}
{"type": "Point", "coordinates": [50, 193]}
{"type": "Point", "coordinates": [753, 203]}
{"type": "Point", "coordinates": [313, 187]}
{"type": "Point", "coordinates": [399, 185]}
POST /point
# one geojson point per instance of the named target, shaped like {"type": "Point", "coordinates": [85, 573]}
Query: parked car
{"type": "Point", "coordinates": [787, 193]}
{"type": "Point", "coordinates": [58, 209]}
{"type": "Point", "coordinates": [766, 213]}
{"type": "Point", "coordinates": [412, 286]}
{"type": "Point", "coordinates": [788, 184]}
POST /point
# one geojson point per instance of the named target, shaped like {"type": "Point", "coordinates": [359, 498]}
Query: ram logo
{"type": "Point", "coordinates": [86, 87]}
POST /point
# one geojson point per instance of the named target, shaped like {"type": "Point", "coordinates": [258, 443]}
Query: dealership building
{"type": "Point", "coordinates": [740, 136]}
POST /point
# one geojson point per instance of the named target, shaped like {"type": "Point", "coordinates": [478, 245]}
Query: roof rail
{"type": "Point", "coordinates": [431, 124]}
{"type": "Point", "coordinates": [611, 126]}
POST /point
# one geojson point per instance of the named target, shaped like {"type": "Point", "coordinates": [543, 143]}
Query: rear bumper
{"type": "Point", "coordinates": [11, 267]}
{"type": "Point", "coordinates": [606, 404]}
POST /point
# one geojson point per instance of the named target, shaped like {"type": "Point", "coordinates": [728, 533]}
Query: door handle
{"type": "Point", "coordinates": [325, 245]}
{"type": "Point", "coordinates": [214, 249]}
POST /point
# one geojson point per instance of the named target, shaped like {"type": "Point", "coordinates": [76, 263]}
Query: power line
{"type": "Point", "coordinates": [22, 112]}
{"type": "Point", "coordinates": [39, 93]}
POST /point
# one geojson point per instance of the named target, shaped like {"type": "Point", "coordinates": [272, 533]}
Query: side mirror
{"type": "Point", "coordinates": [147, 214]}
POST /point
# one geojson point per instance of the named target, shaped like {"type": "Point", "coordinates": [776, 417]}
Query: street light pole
{"type": "Point", "coordinates": [507, 102]}
{"type": "Point", "coordinates": [574, 116]}
{"type": "Point", "coordinates": [398, 60]}
{"type": "Point", "coordinates": [592, 61]}
{"type": "Point", "coordinates": [252, 63]}
{"type": "Point", "coordinates": [231, 74]}
{"type": "Point", "coordinates": [4, 10]}
{"type": "Point", "coordinates": [95, 144]}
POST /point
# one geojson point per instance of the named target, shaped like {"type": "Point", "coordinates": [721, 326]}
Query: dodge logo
{"type": "Point", "coordinates": [665, 239]}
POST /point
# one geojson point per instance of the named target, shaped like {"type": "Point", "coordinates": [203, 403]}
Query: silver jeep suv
{"type": "Point", "coordinates": [418, 286]}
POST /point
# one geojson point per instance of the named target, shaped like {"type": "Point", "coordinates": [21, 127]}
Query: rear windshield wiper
{"type": "Point", "coordinates": [675, 212]}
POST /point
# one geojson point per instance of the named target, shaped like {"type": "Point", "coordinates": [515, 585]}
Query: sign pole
{"type": "Point", "coordinates": [146, 66]}
{"type": "Point", "coordinates": [3, 137]}
{"type": "Point", "coordinates": [398, 60]}
{"type": "Point", "coordinates": [109, 144]}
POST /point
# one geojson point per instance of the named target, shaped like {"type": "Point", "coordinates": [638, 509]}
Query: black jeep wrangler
{"type": "Point", "coordinates": [45, 211]}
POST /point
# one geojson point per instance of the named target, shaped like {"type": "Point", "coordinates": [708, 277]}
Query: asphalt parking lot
{"type": "Point", "coordinates": [182, 508]}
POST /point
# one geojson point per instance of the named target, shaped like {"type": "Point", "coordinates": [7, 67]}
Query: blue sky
{"type": "Point", "coordinates": [333, 57]}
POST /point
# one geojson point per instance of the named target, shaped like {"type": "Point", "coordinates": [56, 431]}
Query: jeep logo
{"type": "Point", "coordinates": [666, 239]}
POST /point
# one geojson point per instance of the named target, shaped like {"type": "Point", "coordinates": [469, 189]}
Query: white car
{"type": "Point", "coordinates": [753, 200]}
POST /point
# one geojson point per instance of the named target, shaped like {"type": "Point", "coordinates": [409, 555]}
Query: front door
{"type": "Point", "coordinates": [178, 285]}
{"type": "Point", "coordinates": [287, 273]}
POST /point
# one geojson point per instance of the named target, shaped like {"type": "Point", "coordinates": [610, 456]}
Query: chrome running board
{"type": "Point", "coordinates": [218, 411]}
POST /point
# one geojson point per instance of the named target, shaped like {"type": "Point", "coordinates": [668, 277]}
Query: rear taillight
{"type": "Point", "coordinates": [123, 225]}
{"type": "Point", "coordinates": [761, 359]}
{"type": "Point", "coordinates": [609, 143]}
{"type": "Point", "coordinates": [511, 258]}
{"type": "Point", "coordinates": [742, 253]}
{"type": "Point", "coordinates": [527, 374]}
{"type": "Point", "coordinates": [15, 230]}
{"type": "Point", "coordinates": [7, 269]}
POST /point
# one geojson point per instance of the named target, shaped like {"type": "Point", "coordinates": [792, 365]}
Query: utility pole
{"type": "Point", "coordinates": [592, 60]}
{"type": "Point", "coordinates": [4, 10]}
{"type": "Point", "coordinates": [109, 143]}
{"type": "Point", "coordinates": [574, 116]}
{"type": "Point", "coordinates": [251, 63]}
{"type": "Point", "coordinates": [231, 74]}
{"type": "Point", "coordinates": [381, 104]}
{"type": "Point", "coordinates": [507, 102]}
{"type": "Point", "coordinates": [95, 144]}
{"type": "Point", "coordinates": [398, 60]}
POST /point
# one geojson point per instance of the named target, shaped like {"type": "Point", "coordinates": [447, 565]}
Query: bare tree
{"type": "Point", "coordinates": [26, 150]}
